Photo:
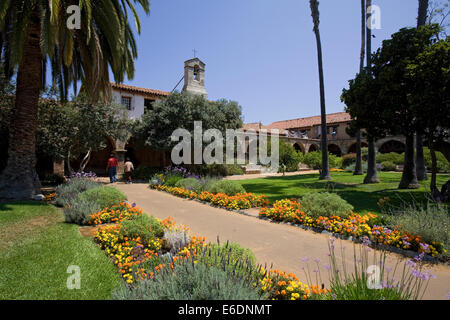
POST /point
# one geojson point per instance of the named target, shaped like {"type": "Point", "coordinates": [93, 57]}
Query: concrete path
{"type": "Point", "coordinates": [280, 244]}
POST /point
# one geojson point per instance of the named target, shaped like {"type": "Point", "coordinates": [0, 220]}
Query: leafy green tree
{"type": "Point", "coordinates": [181, 110]}
{"type": "Point", "coordinates": [78, 128]}
{"type": "Point", "coordinates": [429, 74]}
{"type": "Point", "coordinates": [325, 172]}
{"type": "Point", "coordinates": [35, 32]}
{"type": "Point", "coordinates": [390, 64]}
{"type": "Point", "coordinates": [361, 99]}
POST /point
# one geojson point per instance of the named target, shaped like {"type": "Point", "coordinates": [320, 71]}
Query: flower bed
{"type": "Point", "coordinates": [115, 214]}
{"type": "Point", "coordinates": [237, 202]}
{"type": "Point", "coordinates": [282, 286]}
{"type": "Point", "coordinates": [136, 260]}
{"type": "Point", "coordinates": [354, 225]}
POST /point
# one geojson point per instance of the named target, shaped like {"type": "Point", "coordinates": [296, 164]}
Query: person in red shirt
{"type": "Point", "coordinates": [111, 168]}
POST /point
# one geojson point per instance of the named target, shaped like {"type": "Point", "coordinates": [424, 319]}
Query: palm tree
{"type": "Point", "coordinates": [33, 33]}
{"type": "Point", "coordinates": [358, 164]}
{"type": "Point", "coordinates": [325, 173]}
{"type": "Point", "coordinates": [372, 174]}
{"type": "Point", "coordinates": [421, 169]}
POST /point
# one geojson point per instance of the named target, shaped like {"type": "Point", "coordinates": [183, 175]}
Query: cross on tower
{"type": "Point", "coordinates": [195, 53]}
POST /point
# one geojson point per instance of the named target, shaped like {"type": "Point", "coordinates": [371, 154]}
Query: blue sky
{"type": "Point", "coordinates": [261, 53]}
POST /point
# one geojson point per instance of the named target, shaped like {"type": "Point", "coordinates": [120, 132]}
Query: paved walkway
{"type": "Point", "coordinates": [281, 244]}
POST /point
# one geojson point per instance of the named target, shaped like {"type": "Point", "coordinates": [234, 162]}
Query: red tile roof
{"type": "Point", "coordinates": [143, 91]}
{"type": "Point", "coordinates": [258, 126]}
{"type": "Point", "coordinates": [310, 121]}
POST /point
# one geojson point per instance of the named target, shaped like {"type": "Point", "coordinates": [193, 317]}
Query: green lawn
{"type": "Point", "coordinates": [363, 197]}
{"type": "Point", "coordinates": [36, 248]}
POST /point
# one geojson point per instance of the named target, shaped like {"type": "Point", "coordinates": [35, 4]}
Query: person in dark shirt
{"type": "Point", "coordinates": [111, 168]}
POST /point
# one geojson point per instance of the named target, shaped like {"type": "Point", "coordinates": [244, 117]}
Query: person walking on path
{"type": "Point", "coordinates": [111, 168]}
{"type": "Point", "coordinates": [128, 167]}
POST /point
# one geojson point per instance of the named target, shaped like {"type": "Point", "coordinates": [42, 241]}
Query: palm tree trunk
{"type": "Point", "coordinates": [423, 11]}
{"type": "Point", "coordinates": [409, 177]}
{"type": "Point", "coordinates": [421, 170]}
{"type": "Point", "coordinates": [325, 172]}
{"type": "Point", "coordinates": [372, 173]}
{"type": "Point", "coordinates": [358, 164]}
{"type": "Point", "coordinates": [19, 180]}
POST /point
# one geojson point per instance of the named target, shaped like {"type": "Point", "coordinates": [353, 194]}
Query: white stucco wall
{"type": "Point", "coordinates": [137, 103]}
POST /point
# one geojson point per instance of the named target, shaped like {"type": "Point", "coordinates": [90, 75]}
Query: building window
{"type": "Point", "coordinates": [126, 101]}
{"type": "Point", "coordinates": [148, 104]}
{"type": "Point", "coordinates": [334, 132]}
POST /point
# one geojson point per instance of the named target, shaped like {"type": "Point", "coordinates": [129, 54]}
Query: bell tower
{"type": "Point", "coordinates": [194, 77]}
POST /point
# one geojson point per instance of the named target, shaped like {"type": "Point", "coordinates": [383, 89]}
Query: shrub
{"type": "Point", "coordinates": [393, 157]}
{"type": "Point", "coordinates": [216, 254]}
{"type": "Point", "coordinates": [289, 157]}
{"type": "Point", "coordinates": [314, 160]}
{"type": "Point", "coordinates": [78, 210]}
{"type": "Point", "coordinates": [325, 204]}
{"type": "Point", "coordinates": [406, 282]}
{"type": "Point", "coordinates": [388, 166]}
{"type": "Point", "coordinates": [208, 182]}
{"type": "Point", "coordinates": [351, 168]}
{"type": "Point", "coordinates": [443, 165]}
{"type": "Point", "coordinates": [145, 173]}
{"type": "Point", "coordinates": [104, 196]}
{"type": "Point", "coordinates": [142, 226]}
{"type": "Point", "coordinates": [228, 187]}
{"type": "Point", "coordinates": [190, 281]}
{"type": "Point", "coordinates": [172, 179]}
{"type": "Point", "coordinates": [70, 190]}
{"type": "Point", "coordinates": [348, 159]}
{"type": "Point", "coordinates": [431, 221]}
{"type": "Point", "coordinates": [334, 161]}
{"type": "Point", "coordinates": [190, 184]}
{"type": "Point", "coordinates": [216, 170]}
{"type": "Point", "coordinates": [365, 153]}
{"type": "Point", "coordinates": [234, 169]}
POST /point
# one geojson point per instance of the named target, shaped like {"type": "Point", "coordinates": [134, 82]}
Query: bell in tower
{"type": "Point", "coordinates": [194, 77]}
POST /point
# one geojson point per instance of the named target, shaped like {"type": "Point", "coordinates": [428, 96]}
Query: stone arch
{"type": "Point", "coordinates": [352, 148]}
{"type": "Point", "coordinates": [334, 149]}
{"type": "Point", "coordinates": [392, 146]}
{"type": "Point", "coordinates": [298, 146]}
{"type": "Point", "coordinates": [100, 158]}
{"type": "Point", "coordinates": [313, 147]}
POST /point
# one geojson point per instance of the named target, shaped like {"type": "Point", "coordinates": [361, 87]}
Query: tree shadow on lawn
{"type": "Point", "coordinates": [8, 205]}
